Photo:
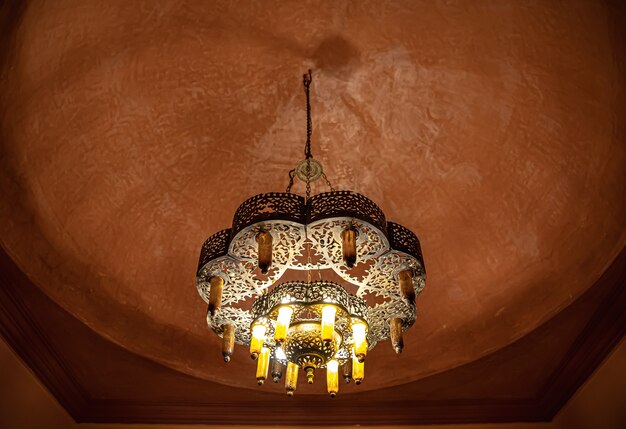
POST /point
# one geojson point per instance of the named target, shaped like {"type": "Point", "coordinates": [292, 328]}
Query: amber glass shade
{"type": "Point", "coordinates": [405, 278]}
{"type": "Point", "coordinates": [262, 365]}
{"type": "Point", "coordinates": [332, 377]}
{"type": "Point", "coordinates": [264, 249]}
{"type": "Point", "coordinates": [291, 379]}
{"type": "Point", "coordinates": [228, 341]}
{"type": "Point", "coordinates": [258, 338]}
{"type": "Point", "coordinates": [215, 294]}
{"type": "Point", "coordinates": [282, 323]}
{"type": "Point", "coordinates": [358, 370]}
{"type": "Point", "coordinates": [395, 329]}
{"type": "Point", "coordinates": [359, 334]}
{"type": "Point", "coordinates": [328, 322]}
{"type": "Point", "coordinates": [348, 241]}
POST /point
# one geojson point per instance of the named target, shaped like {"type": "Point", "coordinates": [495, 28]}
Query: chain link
{"type": "Point", "coordinates": [306, 80]}
{"type": "Point", "coordinates": [332, 189]}
{"type": "Point", "coordinates": [308, 179]}
{"type": "Point", "coordinates": [292, 175]}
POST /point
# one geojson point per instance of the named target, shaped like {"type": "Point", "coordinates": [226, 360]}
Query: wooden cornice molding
{"type": "Point", "coordinates": [30, 341]}
{"type": "Point", "coordinates": [600, 335]}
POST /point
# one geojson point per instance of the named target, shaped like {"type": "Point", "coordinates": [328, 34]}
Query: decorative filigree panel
{"type": "Point", "coordinates": [238, 317]}
{"type": "Point", "coordinates": [345, 204]}
{"type": "Point", "coordinates": [235, 276]}
{"type": "Point", "coordinates": [382, 278]}
{"type": "Point", "coordinates": [306, 348]}
{"type": "Point", "coordinates": [381, 314]}
{"type": "Point", "coordinates": [383, 248]}
{"type": "Point", "coordinates": [264, 207]}
{"type": "Point", "coordinates": [214, 247]}
{"type": "Point", "coordinates": [308, 294]}
{"type": "Point", "coordinates": [404, 240]}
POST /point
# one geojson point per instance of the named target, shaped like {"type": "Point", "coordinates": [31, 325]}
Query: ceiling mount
{"type": "Point", "coordinates": [309, 170]}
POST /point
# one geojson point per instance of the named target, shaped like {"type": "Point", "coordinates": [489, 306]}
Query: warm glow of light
{"type": "Point", "coordinates": [332, 377]}
{"type": "Point", "coordinates": [359, 334]}
{"type": "Point", "coordinates": [282, 323]}
{"type": "Point", "coordinates": [291, 380]}
{"type": "Point", "coordinates": [328, 322]}
{"type": "Point", "coordinates": [280, 354]}
{"type": "Point", "coordinates": [358, 370]}
{"type": "Point", "coordinates": [258, 337]}
{"type": "Point", "coordinates": [263, 365]}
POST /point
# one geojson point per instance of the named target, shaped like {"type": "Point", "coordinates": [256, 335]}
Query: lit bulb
{"type": "Point", "coordinates": [358, 370]}
{"type": "Point", "coordinates": [228, 341]}
{"type": "Point", "coordinates": [262, 365]}
{"type": "Point", "coordinates": [359, 334]}
{"type": "Point", "coordinates": [280, 354]}
{"type": "Point", "coordinates": [256, 343]}
{"type": "Point", "coordinates": [264, 250]}
{"type": "Point", "coordinates": [291, 380]}
{"type": "Point", "coordinates": [282, 323]}
{"type": "Point", "coordinates": [405, 278]}
{"type": "Point", "coordinates": [215, 294]}
{"type": "Point", "coordinates": [348, 246]}
{"type": "Point", "coordinates": [328, 322]}
{"type": "Point", "coordinates": [332, 377]}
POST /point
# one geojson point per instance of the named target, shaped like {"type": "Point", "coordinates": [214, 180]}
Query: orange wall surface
{"type": "Point", "coordinates": [599, 404]}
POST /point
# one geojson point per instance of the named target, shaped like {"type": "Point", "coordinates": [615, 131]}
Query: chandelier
{"type": "Point", "coordinates": [310, 324]}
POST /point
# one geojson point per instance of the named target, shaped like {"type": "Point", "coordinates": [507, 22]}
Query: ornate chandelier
{"type": "Point", "coordinates": [310, 324]}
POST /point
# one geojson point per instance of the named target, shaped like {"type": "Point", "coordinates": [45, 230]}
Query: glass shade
{"type": "Point", "coordinates": [291, 379]}
{"type": "Point", "coordinates": [328, 322]}
{"type": "Point", "coordinates": [258, 338]}
{"type": "Point", "coordinates": [264, 251]}
{"type": "Point", "coordinates": [359, 334]}
{"type": "Point", "coordinates": [282, 323]}
{"type": "Point", "coordinates": [332, 377]}
{"type": "Point", "coordinates": [358, 370]}
{"type": "Point", "coordinates": [262, 366]}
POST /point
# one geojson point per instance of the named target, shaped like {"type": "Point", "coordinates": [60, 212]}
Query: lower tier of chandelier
{"type": "Point", "coordinates": [276, 232]}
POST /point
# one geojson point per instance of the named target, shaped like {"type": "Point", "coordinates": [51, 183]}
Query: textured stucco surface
{"type": "Point", "coordinates": [132, 130]}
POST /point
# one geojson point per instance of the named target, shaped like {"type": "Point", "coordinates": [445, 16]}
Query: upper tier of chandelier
{"type": "Point", "coordinates": [307, 236]}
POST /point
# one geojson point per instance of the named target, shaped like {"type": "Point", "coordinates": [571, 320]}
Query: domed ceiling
{"type": "Point", "coordinates": [495, 131]}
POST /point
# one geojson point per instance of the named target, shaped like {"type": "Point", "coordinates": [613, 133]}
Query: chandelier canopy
{"type": "Point", "coordinates": [310, 324]}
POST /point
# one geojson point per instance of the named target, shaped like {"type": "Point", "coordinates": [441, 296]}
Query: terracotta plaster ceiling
{"type": "Point", "coordinates": [131, 131]}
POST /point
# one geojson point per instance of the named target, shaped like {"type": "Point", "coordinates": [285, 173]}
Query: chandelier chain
{"type": "Point", "coordinates": [330, 186]}
{"type": "Point", "coordinates": [308, 179]}
{"type": "Point", "coordinates": [292, 175]}
{"type": "Point", "coordinates": [307, 79]}
{"type": "Point", "coordinates": [311, 172]}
